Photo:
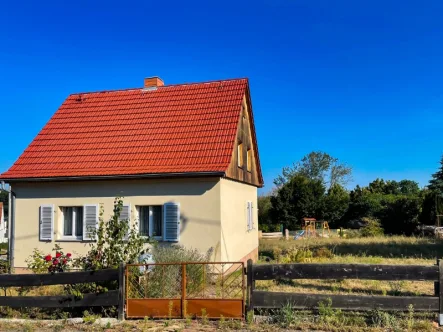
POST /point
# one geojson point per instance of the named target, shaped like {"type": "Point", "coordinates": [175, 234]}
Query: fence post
{"type": "Point", "coordinates": [183, 302]}
{"type": "Point", "coordinates": [250, 285]}
{"type": "Point", "coordinates": [440, 288]}
{"type": "Point", "coordinates": [121, 292]}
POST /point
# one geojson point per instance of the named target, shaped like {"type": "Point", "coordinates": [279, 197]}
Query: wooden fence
{"type": "Point", "coordinates": [263, 299]}
{"type": "Point", "coordinates": [273, 235]}
{"type": "Point", "coordinates": [110, 298]}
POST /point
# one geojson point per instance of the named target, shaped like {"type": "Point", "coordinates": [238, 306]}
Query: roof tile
{"type": "Point", "coordinates": [174, 129]}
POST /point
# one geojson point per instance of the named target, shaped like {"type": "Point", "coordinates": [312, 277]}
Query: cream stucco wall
{"type": "Point", "coordinates": [236, 241]}
{"type": "Point", "coordinates": [200, 210]}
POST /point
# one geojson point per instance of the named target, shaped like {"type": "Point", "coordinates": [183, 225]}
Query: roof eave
{"type": "Point", "coordinates": [116, 177]}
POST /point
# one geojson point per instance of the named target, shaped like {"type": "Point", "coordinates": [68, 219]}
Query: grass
{"type": "Point", "coordinates": [383, 247]}
{"type": "Point", "coordinates": [378, 250]}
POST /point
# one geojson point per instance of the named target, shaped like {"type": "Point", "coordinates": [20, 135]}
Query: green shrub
{"type": "Point", "coordinates": [329, 315]}
{"type": "Point", "coordinates": [285, 316]}
{"type": "Point", "coordinates": [38, 262]}
{"type": "Point", "coordinates": [383, 319]}
{"type": "Point", "coordinates": [323, 252]}
{"type": "Point", "coordinates": [372, 228]}
{"type": "Point", "coordinates": [165, 280]}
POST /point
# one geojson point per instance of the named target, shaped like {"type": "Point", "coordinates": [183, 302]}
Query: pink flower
{"type": "Point", "coordinates": [48, 258]}
{"type": "Point", "coordinates": [65, 261]}
{"type": "Point", "coordinates": [68, 254]}
{"type": "Point", "coordinates": [55, 262]}
{"type": "Point", "coordinates": [57, 254]}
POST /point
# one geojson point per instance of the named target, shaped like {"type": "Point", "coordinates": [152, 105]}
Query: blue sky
{"type": "Point", "coordinates": [362, 81]}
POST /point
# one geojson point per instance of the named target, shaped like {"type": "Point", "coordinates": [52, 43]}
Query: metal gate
{"type": "Point", "coordinates": [181, 290]}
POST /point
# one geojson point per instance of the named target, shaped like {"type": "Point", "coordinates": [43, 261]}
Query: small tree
{"type": "Point", "coordinates": [116, 243]}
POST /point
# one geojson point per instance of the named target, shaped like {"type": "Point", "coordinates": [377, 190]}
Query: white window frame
{"type": "Point", "coordinates": [72, 237]}
{"type": "Point", "coordinates": [151, 222]}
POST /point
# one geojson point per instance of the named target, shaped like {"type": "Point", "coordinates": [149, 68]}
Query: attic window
{"type": "Point", "coordinates": [249, 160]}
{"type": "Point", "coordinates": [240, 154]}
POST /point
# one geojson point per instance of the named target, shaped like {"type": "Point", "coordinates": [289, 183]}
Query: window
{"type": "Point", "coordinates": [150, 220]}
{"type": "Point", "coordinates": [249, 160]}
{"type": "Point", "coordinates": [249, 216]}
{"type": "Point", "coordinates": [240, 154]}
{"type": "Point", "coordinates": [72, 222]}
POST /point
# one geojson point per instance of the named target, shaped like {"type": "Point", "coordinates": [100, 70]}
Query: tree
{"type": "Point", "coordinates": [116, 243]}
{"type": "Point", "coordinates": [264, 206]}
{"type": "Point", "coordinates": [436, 183]}
{"type": "Point", "coordinates": [400, 214]}
{"type": "Point", "coordinates": [433, 198]}
{"type": "Point", "coordinates": [298, 198]}
{"type": "Point", "coordinates": [319, 166]}
{"type": "Point", "coordinates": [4, 198]}
{"type": "Point", "coordinates": [336, 204]}
{"type": "Point", "coordinates": [392, 187]}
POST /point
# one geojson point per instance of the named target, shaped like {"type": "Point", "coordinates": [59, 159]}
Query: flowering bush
{"type": "Point", "coordinates": [40, 263]}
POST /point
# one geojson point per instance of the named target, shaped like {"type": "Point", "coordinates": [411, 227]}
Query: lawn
{"type": "Point", "coordinates": [377, 250]}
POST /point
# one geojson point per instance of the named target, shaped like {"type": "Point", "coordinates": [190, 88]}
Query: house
{"type": "Point", "coordinates": [3, 225]}
{"type": "Point", "coordinates": [184, 157]}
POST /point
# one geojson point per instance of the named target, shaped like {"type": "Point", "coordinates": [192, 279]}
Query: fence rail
{"type": "Point", "coordinates": [110, 298]}
{"type": "Point", "coordinates": [265, 299]}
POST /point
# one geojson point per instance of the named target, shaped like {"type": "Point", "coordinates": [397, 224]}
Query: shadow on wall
{"type": "Point", "coordinates": [114, 188]}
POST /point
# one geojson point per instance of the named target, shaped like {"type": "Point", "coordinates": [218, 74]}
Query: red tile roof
{"type": "Point", "coordinates": [174, 129]}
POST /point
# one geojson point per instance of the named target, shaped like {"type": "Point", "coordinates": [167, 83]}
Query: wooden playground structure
{"type": "Point", "coordinates": [313, 228]}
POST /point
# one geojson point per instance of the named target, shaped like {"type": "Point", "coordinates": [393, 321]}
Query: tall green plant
{"type": "Point", "coordinates": [116, 243]}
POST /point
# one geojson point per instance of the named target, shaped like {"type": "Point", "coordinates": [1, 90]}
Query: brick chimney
{"type": "Point", "coordinates": [153, 82]}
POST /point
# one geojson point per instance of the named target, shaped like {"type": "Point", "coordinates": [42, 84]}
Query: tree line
{"type": "Point", "coordinates": [315, 187]}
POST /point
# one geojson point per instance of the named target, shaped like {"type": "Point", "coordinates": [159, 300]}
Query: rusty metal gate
{"type": "Point", "coordinates": [180, 290]}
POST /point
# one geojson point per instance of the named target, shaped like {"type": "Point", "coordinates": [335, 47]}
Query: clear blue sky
{"type": "Point", "coordinates": [362, 81]}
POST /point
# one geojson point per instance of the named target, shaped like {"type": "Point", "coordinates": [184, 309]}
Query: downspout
{"type": "Point", "coordinates": [11, 229]}
{"type": "Point", "coordinates": [11, 224]}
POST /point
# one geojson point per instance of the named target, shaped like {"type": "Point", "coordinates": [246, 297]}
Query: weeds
{"type": "Point", "coordinates": [396, 287]}
{"type": "Point", "coordinates": [170, 308]}
{"type": "Point", "coordinates": [89, 318]}
{"type": "Point", "coordinates": [411, 319]}
{"type": "Point", "coordinates": [204, 317]}
{"type": "Point", "coordinates": [250, 317]}
{"type": "Point", "coordinates": [383, 319]}
{"type": "Point", "coordinates": [285, 316]}
{"type": "Point", "coordinates": [327, 314]}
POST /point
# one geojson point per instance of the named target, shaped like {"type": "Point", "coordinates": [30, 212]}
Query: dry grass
{"type": "Point", "coordinates": [380, 250]}
{"type": "Point", "coordinates": [387, 247]}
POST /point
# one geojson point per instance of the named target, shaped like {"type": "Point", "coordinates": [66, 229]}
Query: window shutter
{"type": "Point", "coordinates": [252, 216]}
{"type": "Point", "coordinates": [90, 221]}
{"type": "Point", "coordinates": [125, 215]}
{"type": "Point", "coordinates": [249, 215]}
{"type": "Point", "coordinates": [171, 222]}
{"type": "Point", "coordinates": [46, 222]}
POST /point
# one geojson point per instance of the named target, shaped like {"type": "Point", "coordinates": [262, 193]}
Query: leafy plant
{"type": "Point", "coordinates": [327, 314]}
{"type": "Point", "coordinates": [116, 243]}
{"type": "Point", "coordinates": [88, 318]}
{"type": "Point", "coordinates": [372, 228]}
{"type": "Point", "coordinates": [285, 316]}
{"type": "Point", "coordinates": [383, 319]}
{"type": "Point", "coordinates": [204, 317]}
{"type": "Point", "coordinates": [40, 263]}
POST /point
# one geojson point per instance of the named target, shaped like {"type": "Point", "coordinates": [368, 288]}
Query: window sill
{"type": "Point", "coordinates": [70, 240]}
{"type": "Point", "coordinates": [156, 238]}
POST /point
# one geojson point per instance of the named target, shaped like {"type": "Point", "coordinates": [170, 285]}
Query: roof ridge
{"type": "Point", "coordinates": [161, 87]}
